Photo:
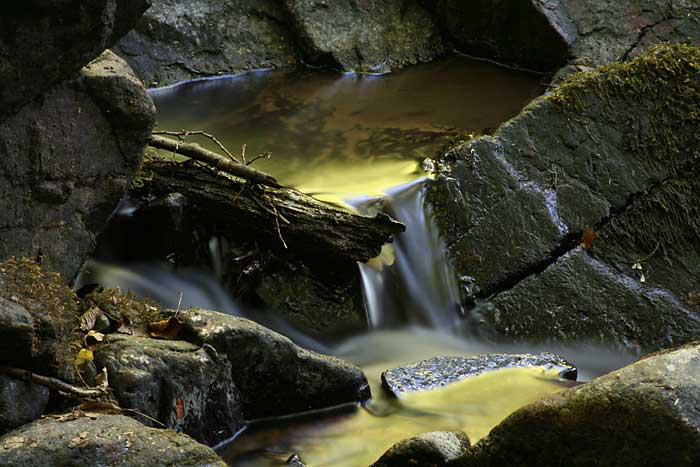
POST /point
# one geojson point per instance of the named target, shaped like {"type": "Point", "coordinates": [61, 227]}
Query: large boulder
{"type": "Point", "coordinates": [44, 42]}
{"type": "Point", "coordinates": [545, 35]}
{"type": "Point", "coordinates": [65, 161]}
{"type": "Point", "coordinates": [101, 440]}
{"type": "Point", "coordinates": [613, 152]}
{"type": "Point", "coordinates": [434, 449]}
{"type": "Point", "coordinates": [273, 376]}
{"type": "Point", "coordinates": [183, 386]}
{"type": "Point", "coordinates": [643, 414]}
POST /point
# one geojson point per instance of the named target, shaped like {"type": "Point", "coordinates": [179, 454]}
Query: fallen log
{"type": "Point", "coordinates": [286, 217]}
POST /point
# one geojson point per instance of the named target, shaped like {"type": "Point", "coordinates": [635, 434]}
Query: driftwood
{"type": "Point", "coordinates": [52, 383]}
{"type": "Point", "coordinates": [197, 152]}
{"type": "Point", "coordinates": [286, 217]}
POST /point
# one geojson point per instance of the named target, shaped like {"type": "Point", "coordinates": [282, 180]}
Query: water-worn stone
{"type": "Point", "coordinates": [511, 204]}
{"type": "Point", "coordinates": [545, 34]}
{"type": "Point", "coordinates": [273, 376]}
{"type": "Point", "coordinates": [101, 440]}
{"type": "Point", "coordinates": [43, 43]}
{"type": "Point", "coordinates": [441, 371]}
{"type": "Point", "coordinates": [20, 402]}
{"type": "Point", "coordinates": [365, 35]}
{"type": "Point", "coordinates": [435, 449]}
{"type": "Point", "coordinates": [183, 386]}
{"type": "Point", "coordinates": [65, 161]}
{"type": "Point", "coordinates": [178, 41]}
{"type": "Point", "coordinates": [643, 414]}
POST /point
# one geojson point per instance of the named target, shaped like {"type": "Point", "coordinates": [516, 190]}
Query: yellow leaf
{"type": "Point", "coordinates": [85, 355]}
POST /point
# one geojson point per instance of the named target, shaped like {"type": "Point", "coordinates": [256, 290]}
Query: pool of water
{"type": "Point", "coordinates": [338, 136]}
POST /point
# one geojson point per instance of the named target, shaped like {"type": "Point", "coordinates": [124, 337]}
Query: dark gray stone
{"type": "Point", "coordinates": [65, 161]}
{"type": "Point", "coordinates": [435, 449]}
{"type": "Point", "coordinates": [643, 414]}
{"type": "Point", "coordinates": [185, 387]}
{"type": "Point", "coordinates": [101, 440]}
{"type": "Point", "coordinates": [20, 402]}
{"type": "Point", "coordinates": [441, 371]}
{"type": "Point", "coordinates": [273, 376]}
{"type": "Point", "coordinates": [44, 42]}
{"type": "Point", "coordinates": [16, 333]}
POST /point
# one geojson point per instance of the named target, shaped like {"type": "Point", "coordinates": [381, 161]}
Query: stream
{"type": "Point", "coordinates": [361, 141]}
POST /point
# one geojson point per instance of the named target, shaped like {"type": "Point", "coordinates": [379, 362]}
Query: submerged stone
{"type": "Point", "coordinates": [441, 371]}
{"type": "Point", "coordinates": [101, 440]}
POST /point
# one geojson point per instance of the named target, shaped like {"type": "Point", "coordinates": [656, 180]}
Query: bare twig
{"type": "Point", "coordinates": [265, 155]}
{"type": "Point", "coordinates": [197, 152]}
{"type": "Point", "coordinates": [185, 133]}
{"type": "Point", "coordinates": [52, 383]}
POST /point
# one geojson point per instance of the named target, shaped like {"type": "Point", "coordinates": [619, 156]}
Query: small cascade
{"type": "Point", "coordinates": [416, 285]}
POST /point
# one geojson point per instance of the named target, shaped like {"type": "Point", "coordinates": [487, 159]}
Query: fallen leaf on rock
{"type": "Point", "coordinates": [13, 442]}
{"type": "Point", "coordinates": [165, 329]}
{"type": "Point", "coordinates": [587, 238]}
{"type": "Point", "coordinates": [179, 409]}
{"type": "Point", "coordinates": [692, 299]}
{"type": "Point", "coordinates": [85, 355]}
{"type": "Point", "coordinates": [79, 440]}
{"type": "Point", "coordinates": [93, 338]}
{"type": "Point", "coordinates": [99, 408]}
{"type": "Point", "coordinates": [125, 326]}
{"type": "Point", "coordinates": [101, 380]}
{"type": "Point", "coordinates": [87, 320]}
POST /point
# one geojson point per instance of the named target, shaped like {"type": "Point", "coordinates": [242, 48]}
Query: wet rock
{"type": "Point", "coordinates": [101, 440]}
{"type": "Point", "coordinates": [441, 371]}
{"type": "Point", "coordinates": [273, 376]}
{"type": "Point", "coordinates": [20, 402]}
{"type": "Point", "coordinates": [436, 449]}
{"type": "Point", "coordinates": [609, 421]}
{"type": "Point", "coordinates": [38, 318]}
{"type": "Point", "coordinates": [65, 161]}
{"type": "Point", "coordinates": [178, 41]}
{"type": "Point", "coordinates": [367, 35]}
{"type": "Point", "coordinates": [512, 204]}
{"type": "Point", "coordinates": [43, 43]}
{"type": "Point", "coordinates": [545, 35]}
{"type": "Point", "coordinates": [183, 386]}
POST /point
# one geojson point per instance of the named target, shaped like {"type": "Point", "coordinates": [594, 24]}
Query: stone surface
{"type": "Point", "coordinates": [102, 440]}
{"type": "Point", "coordinates": [178, 41]}
{"type": "Point", "coordinates": [441, 371]}
{"type": "Point", "coordinates": [510, 205]}
{"type": "Point", "coordinates": [183, 386]}
{"type": "Point", "coordinates": [544, 35]}
{"type": "Point", "coordinates": [435, 449]}
{"type": "Point", "coordinates": [65, 161]}
{"type": "Point", "coordinates": [365, 35]}
{"type": "Point", "coordinates": [643, 414]}
{"type": "Point", "coordinates": [20, 402]}
{"type": "Point", "coordinates": [43, 43]}
{"type": "Point", "coordinates": [273, 376]}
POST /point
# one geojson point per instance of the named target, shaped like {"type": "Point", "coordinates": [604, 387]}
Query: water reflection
{"type": "Point", "coordinates": [338, 136]}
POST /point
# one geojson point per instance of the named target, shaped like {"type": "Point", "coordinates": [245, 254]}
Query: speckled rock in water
{"type": "Point", "coordinates": [112, 440]}
{"type": "Point", "coordinates": [544, 34]}
{"type": "Point", "coordinates": [365, 35]}
{"type": "Point", "coordinates": [43, 43]}
{"type": "Point", "coordinates": [183, 386]}
{"type": "Point", "coordinates": [65, 161]}
{"type": "Point", "coordinates": [435, 449]}
{"type": "Point", "coordinates": [510, 205]}
{"type": "Point", "coordinates": [273, 376]}
{"type": "Point", "coordinates": [643, 414]}
{"type": "Point", "coordinates": [177, 41]}
{"type": "Point", "coordinates": [20, 402]}
{"type": "Point", "coordinates": [440, 371]}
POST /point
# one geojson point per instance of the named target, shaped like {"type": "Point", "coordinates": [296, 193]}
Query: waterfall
{"type": "Point", "coordinates": [418, 286]}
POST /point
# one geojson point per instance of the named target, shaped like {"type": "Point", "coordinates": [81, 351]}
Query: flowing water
{"type": "Point", "coordinates": [349, 139]}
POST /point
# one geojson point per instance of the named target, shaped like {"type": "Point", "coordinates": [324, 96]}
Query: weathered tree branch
{"type": "Point", "coordinates": [52, 383]}
{"type": "Point", "coordinates": [197, 152]}
{"type": "Point", "coordinates": [307, 226]}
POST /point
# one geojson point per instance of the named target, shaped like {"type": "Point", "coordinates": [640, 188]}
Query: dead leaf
{"type": "Point", "coordinates": [165, 329]}
{"type": "Point", "coordinates": [79, 440]}
{"type": "Point", "coordinates": [13, 442]}
{"type": "Point", "coordinates": [101, 380]}
{"type": "Point", "coordinates": [587, 238]}
{"type": "Point", "coordinates": [125, 326]}
{"type": "Point", "coordinates": [93, 338]}
{"type": "Point", "coordinates": [99, 408]}
{"type": "Point", "coordinates": [84, 356]}
{"type": "Point", "coordinates": [692, 299]}
{"type": "Point", "coordinates": [179, 409]}
{"type": "Point", "coordinates": [87, 320]}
